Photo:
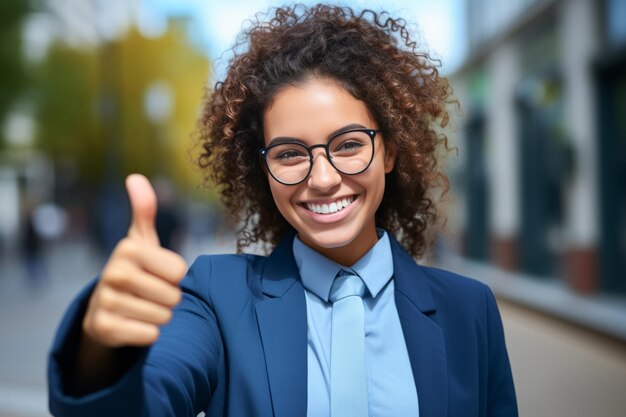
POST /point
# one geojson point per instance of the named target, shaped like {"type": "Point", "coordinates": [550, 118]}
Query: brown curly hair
{"type": "Point", "coordinates": [373, 57]}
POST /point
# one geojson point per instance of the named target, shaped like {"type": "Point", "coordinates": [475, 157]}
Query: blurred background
{"type": "Point", "coordinates": [91, 90]}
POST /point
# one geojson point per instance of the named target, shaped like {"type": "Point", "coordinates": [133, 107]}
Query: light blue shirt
{"type": "Point", "coordinates": [390, 384]}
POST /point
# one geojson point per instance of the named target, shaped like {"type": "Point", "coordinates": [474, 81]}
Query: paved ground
{"type": "Point", "coordinates": [28, 318]}
{"type": "Point", "coordinates": [560, 370]}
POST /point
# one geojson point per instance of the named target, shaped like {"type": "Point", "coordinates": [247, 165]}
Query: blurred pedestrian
{"type": "Point", "coordinates": [44, 222]}
{"type": "Point", "coordinates": [168, 223]}
{"type": "Point", "coordinates": [31, 249]}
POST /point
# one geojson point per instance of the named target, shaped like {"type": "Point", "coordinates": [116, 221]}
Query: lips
{"type": "Point", "coordinates": [330, 207]}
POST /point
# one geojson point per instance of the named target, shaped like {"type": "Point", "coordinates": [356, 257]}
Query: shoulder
{"type": "Point", "coordinates": [457, 291]}
{"type": "Point", "coordinates": [444, 280]}
{"type": "Point", "coordinates": [443, 284]}
{"type": "Point", "coordinates": [210, 264]}
{"type": "Point", "coordinates": [224, 277]}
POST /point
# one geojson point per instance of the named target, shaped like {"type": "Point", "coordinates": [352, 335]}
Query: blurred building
{"type": "Point", "coordinates": [544, 175]}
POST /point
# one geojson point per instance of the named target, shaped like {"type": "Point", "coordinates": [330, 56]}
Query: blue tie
{"type": "Point", "coordinates": [348, 382]}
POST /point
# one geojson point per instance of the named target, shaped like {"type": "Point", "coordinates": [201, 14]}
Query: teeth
{"type": "Point", "coordinates": [333, 207]}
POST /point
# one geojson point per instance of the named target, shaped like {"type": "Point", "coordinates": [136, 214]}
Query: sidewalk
{"type": "Point", "coordinates": [28, 319]}
{"type": "Point", "coordinates": [561, 370]}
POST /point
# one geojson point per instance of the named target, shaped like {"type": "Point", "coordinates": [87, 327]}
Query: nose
{"type": "Point", "coordinates": [323, 176]}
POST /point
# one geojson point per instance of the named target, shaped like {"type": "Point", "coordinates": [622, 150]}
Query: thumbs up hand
{"type": "Point", "coordinates": [138, 287]}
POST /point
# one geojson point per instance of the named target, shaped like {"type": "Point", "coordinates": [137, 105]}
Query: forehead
{"type": "Point", "coordinates": [312, 110]}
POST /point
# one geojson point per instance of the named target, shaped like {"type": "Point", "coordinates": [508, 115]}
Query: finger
{"type": "Point", "coordinates": [132, 307]}
{"type": "Point", "coordinates": [127, 277]}
{"type": "Point", "coordinates": [156, 260]}
{"type": "Point", "coordinates": [143, 204]}
{"type": "Point", "coordinates": [113, 330]}
{"type": "Point", "coordinates": [163, 263]}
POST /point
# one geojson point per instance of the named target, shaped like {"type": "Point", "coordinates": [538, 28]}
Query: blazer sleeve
{"type": "Point", "coordinates": [174, 377]}
{"type": "Point", "coordinates": [501, 399]}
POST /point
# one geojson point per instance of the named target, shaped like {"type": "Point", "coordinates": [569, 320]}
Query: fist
{"type": "Point", "coordinates": [139, 285]}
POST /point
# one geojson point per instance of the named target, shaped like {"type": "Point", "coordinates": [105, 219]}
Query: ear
{"type": "Point", "coordinates": [391, 152]}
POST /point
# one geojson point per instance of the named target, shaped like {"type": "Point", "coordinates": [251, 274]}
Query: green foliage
{"type": "Point", "coordinates": [91, 105]}
{"type": "Point", "coordinates": [66, 94]}
{"type": "Point", "coordinates": [12, 73]}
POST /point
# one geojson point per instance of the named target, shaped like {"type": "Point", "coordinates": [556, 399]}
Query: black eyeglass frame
{"type": "Point", "coordinates": [263, 152]}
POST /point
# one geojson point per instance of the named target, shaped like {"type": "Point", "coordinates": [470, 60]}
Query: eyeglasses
{"type": "Point", "coordinates": [349, 152]}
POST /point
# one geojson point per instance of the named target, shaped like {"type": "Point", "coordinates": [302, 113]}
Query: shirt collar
{"type": "Point", "coordinates": [318, 272]}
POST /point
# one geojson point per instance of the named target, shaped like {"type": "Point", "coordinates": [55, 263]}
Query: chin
{"type": "Point", "coordinates": [327, 239]}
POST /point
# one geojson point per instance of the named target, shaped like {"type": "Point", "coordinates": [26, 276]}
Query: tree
{"type": "Point", "coordinates": [92, 105]}
{"type": "Point", "coordinates": [12, 73]}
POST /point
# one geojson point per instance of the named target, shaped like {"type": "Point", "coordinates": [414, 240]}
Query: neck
{"type": "Point", "coordinates": [350, 253]}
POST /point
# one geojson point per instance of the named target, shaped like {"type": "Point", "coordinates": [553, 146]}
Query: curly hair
{"type": "Point", "coordinates": [374, 58]}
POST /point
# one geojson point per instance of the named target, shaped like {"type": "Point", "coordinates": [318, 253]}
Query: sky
{"type": "Point", "coordinates": [215, 24]}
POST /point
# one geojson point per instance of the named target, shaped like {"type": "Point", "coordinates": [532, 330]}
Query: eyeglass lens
{"type": "Point", "coordinates": [350, 153]}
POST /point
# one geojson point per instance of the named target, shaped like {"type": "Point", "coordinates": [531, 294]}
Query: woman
{"type": "Point", "coordinates": [322, 140]}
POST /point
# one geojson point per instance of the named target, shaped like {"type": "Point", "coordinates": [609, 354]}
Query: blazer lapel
{"type": "Point", "coordinates": [424, 338]}
{"type": "Point", "coordinates": [283, 326]}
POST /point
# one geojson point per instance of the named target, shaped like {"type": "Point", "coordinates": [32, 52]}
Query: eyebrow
{"type": "Point", "coordinates": [286, 139]}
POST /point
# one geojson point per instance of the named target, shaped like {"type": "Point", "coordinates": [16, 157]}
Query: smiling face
{"type": "Point", "coordinates": [333, 213]}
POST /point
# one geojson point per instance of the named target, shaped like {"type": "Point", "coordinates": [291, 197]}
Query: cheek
{"type": "Point", "coordinates": [281, 196]}
{"type": "Point", "coordinates": [376, 179]}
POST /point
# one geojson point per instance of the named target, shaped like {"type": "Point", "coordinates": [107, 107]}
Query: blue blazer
{"type": "Point", "coordinates": [237, 345]}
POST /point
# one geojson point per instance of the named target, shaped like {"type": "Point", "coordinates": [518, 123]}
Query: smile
{"type": "Point", "coordinates": [330, 208]}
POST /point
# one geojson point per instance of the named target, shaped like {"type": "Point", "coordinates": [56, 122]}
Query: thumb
{"type": "Point", "coordinates": [143, 203]}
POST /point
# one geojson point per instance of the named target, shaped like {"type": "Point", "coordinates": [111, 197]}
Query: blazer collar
{"type": "Point", "coordinates": [423, 337]}
{"type": "Point", "coordinates": [282, 324]}
{"type": "Point", "coordinates": [410, 280]}
{"type": "Point", "coordinates": [281, 270]}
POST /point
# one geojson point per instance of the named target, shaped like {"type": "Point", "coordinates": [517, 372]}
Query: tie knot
{"type": "Point", "coordinates": [346, 286]}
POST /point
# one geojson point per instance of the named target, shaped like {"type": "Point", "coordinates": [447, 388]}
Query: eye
{"type": "Point", "coordinates": [349, 145]}
{"type": "Point", "coordinates": [288, 154]}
